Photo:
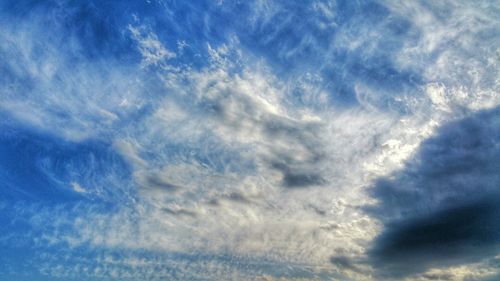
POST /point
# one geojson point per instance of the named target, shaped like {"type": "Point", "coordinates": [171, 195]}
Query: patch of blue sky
{"type": "Point", "coordinates": [38, 167]}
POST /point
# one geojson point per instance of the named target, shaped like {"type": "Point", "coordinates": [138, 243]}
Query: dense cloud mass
{"type": "Point", "coordinates": [249, 140]}
{"type": "Point", "coordinates": [443, 207]}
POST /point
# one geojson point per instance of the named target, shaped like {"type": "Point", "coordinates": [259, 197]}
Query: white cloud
{"type": "Point", "coordinates": [152, 50]}
{"type": "Point", "coordinates": [77, 187]}
{"type": "Point", "coordinates": [56, 90]}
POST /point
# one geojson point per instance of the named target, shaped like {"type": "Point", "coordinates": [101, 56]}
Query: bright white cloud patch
{"type": "Point", "coordinates": [152, 50]}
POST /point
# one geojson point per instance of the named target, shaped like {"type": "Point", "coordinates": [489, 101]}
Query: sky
{"type": "Point", "coordinates": [249, 140]}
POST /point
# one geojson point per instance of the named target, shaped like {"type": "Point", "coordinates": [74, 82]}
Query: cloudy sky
{"type": "Point", "coordinates": [249, 140]}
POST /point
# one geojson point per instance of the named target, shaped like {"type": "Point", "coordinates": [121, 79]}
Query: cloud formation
{"type": "Point", "coordinates": [442, 208]}
{"type": "Point", "coordinates": [238, 140]}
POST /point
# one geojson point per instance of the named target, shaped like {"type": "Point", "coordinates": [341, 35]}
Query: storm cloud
{"type": "Point", "coordinates": [443, 207]}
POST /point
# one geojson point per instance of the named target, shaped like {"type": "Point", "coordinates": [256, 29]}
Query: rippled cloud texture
{"type": "Point", "coordinates": [249, 140]}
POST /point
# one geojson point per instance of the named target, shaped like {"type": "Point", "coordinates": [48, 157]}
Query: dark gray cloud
{"type": "Point", "coordinates": [236, 197]}
{"type": "Point", "coordinates": [298, 177]}
{"type": "Point", "coordinates": [462, 234]}
{"type": "Point", "coordinates": [302, 180]}
{"type": "Point", "coordinates": [440, 277]}
{"type": "Point", "coordinates": [158, 180]}
{"type": "Point", "coordinates": [344, 262]}
{"type": "Point", "coordinates": [297, 173]}
{"type": "Point", "coordinates": [179, 212]}
{"type": "Point", "coordinates": [291, 146]}
{"type": "Point", "coordinates": [443, 208]}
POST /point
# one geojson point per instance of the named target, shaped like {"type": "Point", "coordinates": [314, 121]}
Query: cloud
{"type": "Point", "coordinates": [463, 234]}
{"type": "Point", "coordinates": [77, 188]}
{"type": "Point", "coordinates": [249, 151]}
{"type": "Point", "coordinates": [55, 88]}
{"type": "Point", "coordinates": [442, 208]}
{"type": "Point", "coordinates": [152, 50]}
{"type": "Point", "coordinates": [41, 167]}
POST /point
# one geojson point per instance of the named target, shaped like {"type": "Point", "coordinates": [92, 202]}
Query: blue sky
{"type": "Point", "coordinates": [249, 140]}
